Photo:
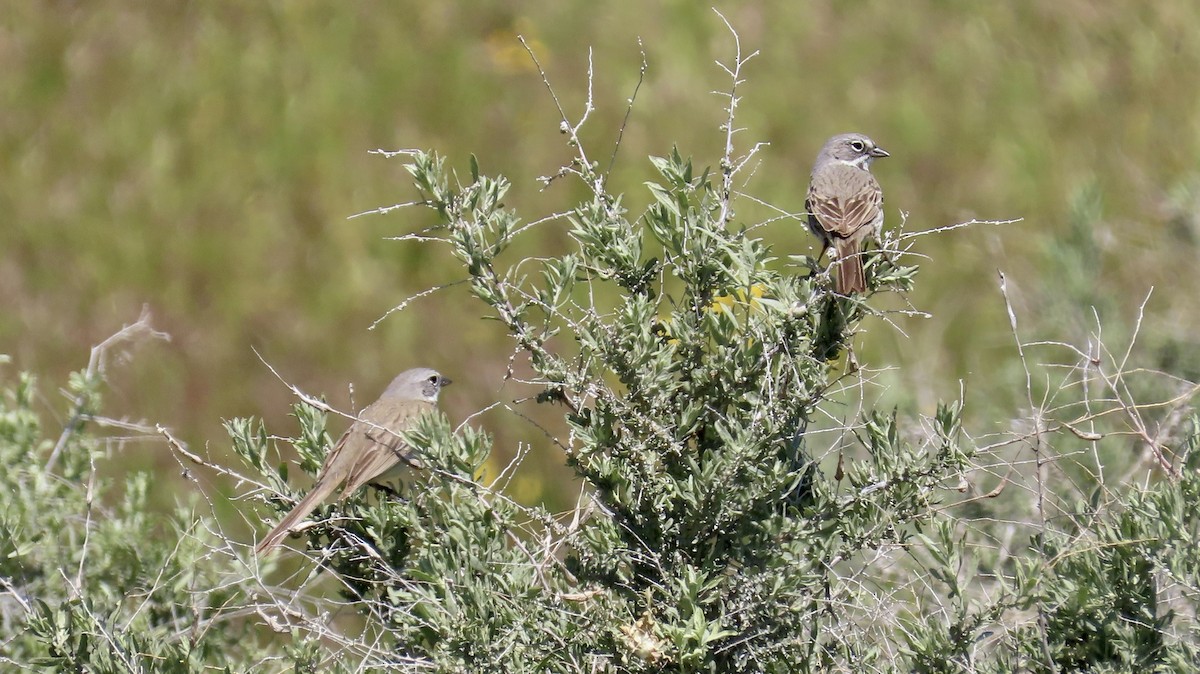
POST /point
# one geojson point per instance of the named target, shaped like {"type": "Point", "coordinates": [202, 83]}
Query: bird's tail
{"type": "Point", "coordinates": [302, 509]}
{"type": "Point", "coordinates": [851, 277]}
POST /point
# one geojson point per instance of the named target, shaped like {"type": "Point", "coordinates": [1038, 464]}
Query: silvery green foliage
{"type": "Point", "coordinates": [696, 365]}
{"type": "Point", "coordinates": [93, 576]}
{"type": "Point", "coordinates": [721, 532]}
{"type": "Point", "coordinates": [696, 372]}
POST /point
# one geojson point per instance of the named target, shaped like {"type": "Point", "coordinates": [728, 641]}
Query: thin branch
{"type": "Point", "coordinates": [133, 334]}
{"type": "Point", "coordinates": [960, 225]}
{"type": "Point", "coordinates": [628, 110]}
{"type": "Point", "coordinates": [728, 166]}
{"type": "Point", "coordinates": [411, 298]}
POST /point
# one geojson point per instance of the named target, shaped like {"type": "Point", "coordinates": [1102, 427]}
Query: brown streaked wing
{"type": "Point", "coordinates": [844, 200]}
{"type": "Point", "coordinates": [378, 449]}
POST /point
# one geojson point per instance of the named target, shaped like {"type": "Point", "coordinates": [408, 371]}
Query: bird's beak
{"type": "Point", "coordinates": [879, 152]}
{"type": "Point", "coordinates": [446, 382]}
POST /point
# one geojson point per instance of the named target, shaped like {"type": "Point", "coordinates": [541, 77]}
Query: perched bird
{"type": "Point", "coordinates": [370, 448]}
{"type": "Point", "coordinates": [845, 204]}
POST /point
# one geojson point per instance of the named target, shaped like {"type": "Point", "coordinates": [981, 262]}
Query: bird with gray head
{"type": "Point", "coordinates": [371, 448]}
{"type": "Point", "coordinates": [845, 204]}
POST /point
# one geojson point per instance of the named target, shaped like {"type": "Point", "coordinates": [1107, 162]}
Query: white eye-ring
{"type": "Point", "coordinates": [857, 145]}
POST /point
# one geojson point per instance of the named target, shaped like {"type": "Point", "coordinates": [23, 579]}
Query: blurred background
{"type": "Point", "coordinates": [203, 158]}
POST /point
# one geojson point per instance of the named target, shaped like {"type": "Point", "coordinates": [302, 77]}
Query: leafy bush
{"type": "Point", "coordinates": [746, 503]}
{"type": "Point", "coordinates": [736, 515]}
{"type": "Point", "coordinates": [91, 578]}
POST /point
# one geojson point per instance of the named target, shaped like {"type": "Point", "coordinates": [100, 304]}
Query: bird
{"type": "Point", "coordinates": [845, 204]}
{"type": "Point", "coordinates": [370, 448]}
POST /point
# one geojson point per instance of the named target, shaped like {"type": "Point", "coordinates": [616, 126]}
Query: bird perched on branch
{"type": "Point", "coordinates": [371, 448]}
{"type": "Point", "coordinates": [845, 204]}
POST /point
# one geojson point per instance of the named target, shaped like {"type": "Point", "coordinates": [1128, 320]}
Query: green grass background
{"type": "Point", "coordinates": [202, 158]}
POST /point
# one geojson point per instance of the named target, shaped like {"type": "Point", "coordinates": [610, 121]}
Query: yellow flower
{"type": "Point", "coordinates": [726, 302]}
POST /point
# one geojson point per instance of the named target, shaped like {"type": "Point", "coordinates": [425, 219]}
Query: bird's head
{"type": "Point", "coordinates": [419, 383]}
{"type": "Point", "coordinates": [855, 149]}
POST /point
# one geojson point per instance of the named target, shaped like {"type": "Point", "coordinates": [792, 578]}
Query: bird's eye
{"type": "Point", "coordinates": [857, 145]}
{"type": "Point", "coordinates": [433, 380]}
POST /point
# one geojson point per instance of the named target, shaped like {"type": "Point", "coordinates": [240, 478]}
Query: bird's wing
{"type": "Point", "coordinates": [844, 199]}
{"type": "Point", "coordinates": [375, 448]}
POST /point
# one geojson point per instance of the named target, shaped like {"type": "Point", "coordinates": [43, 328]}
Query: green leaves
{"type": "Point", "coordinates": [609, 247]}
{"type": "Point", "coordinates": [747, 504]}
{"type": "Point", "coordinates": [95, 576]}
{"type": "Point", "coordinates": [691, 386]}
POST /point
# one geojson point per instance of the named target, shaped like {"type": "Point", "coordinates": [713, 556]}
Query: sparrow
{"type": "Point", "coordinates": [845, 204]}
{"type": "Point", "coordinates": [371, 448]}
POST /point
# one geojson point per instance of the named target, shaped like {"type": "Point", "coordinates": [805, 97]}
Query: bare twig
{"type": "Point", "coordinates": [412, 298]}
{"type": "Point", "coordinates": [729, 166]}
{"type": "Point", "coordinates": [628, 110]}
{"type": "Point", "coordinates": [960, 225]}
{"type": "Point", "coordinates": [139, 331]}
